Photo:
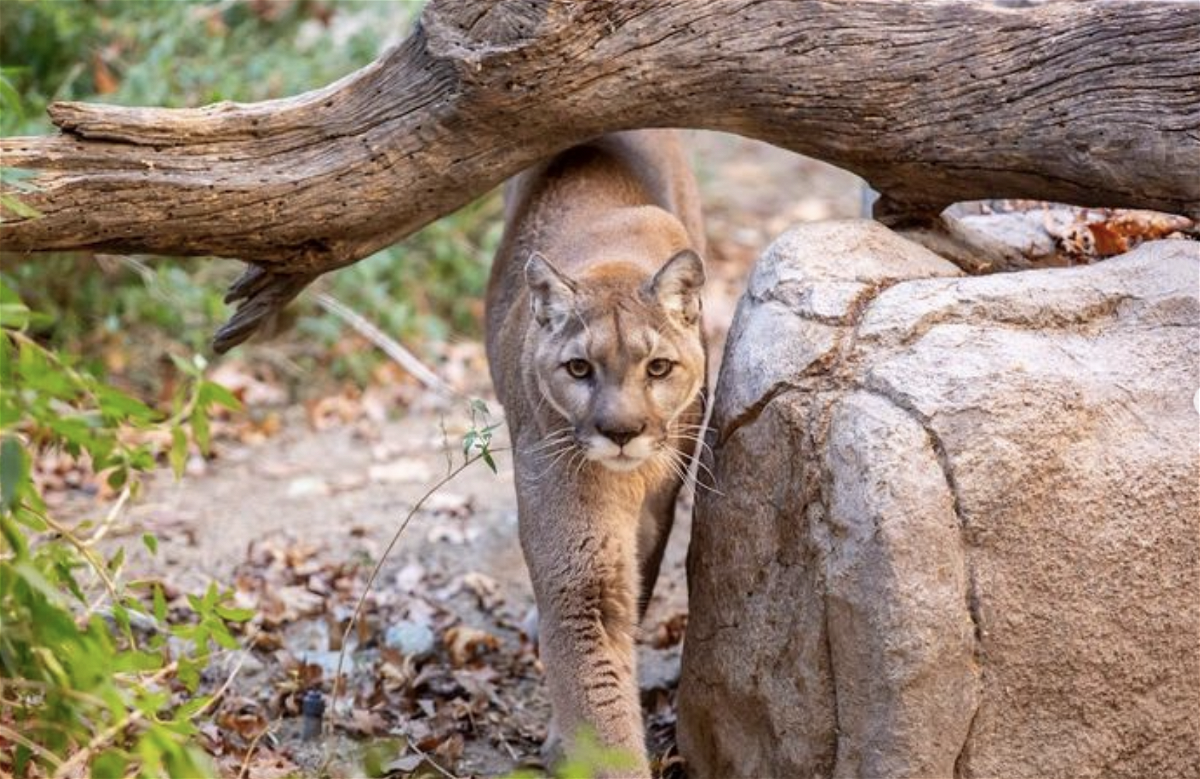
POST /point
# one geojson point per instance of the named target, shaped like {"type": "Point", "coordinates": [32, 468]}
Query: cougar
{"type": "Point", "coordinates": [597, 355]}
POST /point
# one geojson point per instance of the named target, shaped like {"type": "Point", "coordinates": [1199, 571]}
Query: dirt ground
{"type": "Point", "coordinates": [293, 522]}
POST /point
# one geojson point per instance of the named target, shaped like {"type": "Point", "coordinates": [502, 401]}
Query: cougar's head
{"type": "Point", "coordinates": [618, 353]}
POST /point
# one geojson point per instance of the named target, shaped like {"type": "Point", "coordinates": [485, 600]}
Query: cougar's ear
{"type": "Point", "coordinates": [677, 286]}
{"type": "Point", "coordinates": [551, 294]}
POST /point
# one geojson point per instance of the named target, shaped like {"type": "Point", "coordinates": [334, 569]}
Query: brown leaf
{"type": "Point", "coordinates": [485, 589]}
{"type": "Point", "coordinates": [243, 717]}
{"type": "Point", "coordinates": [366, 723]}
{"type": "Point", "coordinates": [1107, 241]}
{"type": "Point", "coordinates": [670, 631]}
{"type": "Point", "coordinates": [451, 749]}
{"type": "Point", "coordinates": [334, 410]}
{"type": "Point", "coordinates": [269, 764]}
{"type": "Point", "coordinates": [465, 644]}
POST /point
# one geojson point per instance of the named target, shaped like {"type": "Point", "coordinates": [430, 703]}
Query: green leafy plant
{"type": "Point", "coordinates": [96, 676]}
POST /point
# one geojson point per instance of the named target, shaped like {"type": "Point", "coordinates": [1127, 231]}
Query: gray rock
{"type": "Point", "coordinates": [414, 639]}
{"type": "Point", "coordinates": [958, 520]}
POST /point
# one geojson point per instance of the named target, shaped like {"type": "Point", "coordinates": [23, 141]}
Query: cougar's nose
{"type": "Point", "coordinates": [621, 435]}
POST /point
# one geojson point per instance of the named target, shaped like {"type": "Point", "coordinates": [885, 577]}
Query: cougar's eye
{"type": "Point", "coordinates": [659, 368]}
{"type": "Point", "coordinates": [579, 369]}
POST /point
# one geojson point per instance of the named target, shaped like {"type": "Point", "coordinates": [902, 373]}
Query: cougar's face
{"type": "Point", "coordinates": [619, 355]}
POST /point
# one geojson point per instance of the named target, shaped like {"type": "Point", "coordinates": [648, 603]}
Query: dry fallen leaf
{"type": "Point", "coordinates": [465, 644]}
{"type": "Point", "coordinates": [242, 716]}
{"type": "Point", "coordinates": [485, 589]}
{"type": "Point", "coordinates": [670, 631]}
{"type": "Point", "coordinates": [367, 723]}
{"type": "Point", "coordinates": [334, 410]}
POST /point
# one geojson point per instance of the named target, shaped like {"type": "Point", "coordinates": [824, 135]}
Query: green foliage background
{"type": "Point", "coordinates": [173, 53]}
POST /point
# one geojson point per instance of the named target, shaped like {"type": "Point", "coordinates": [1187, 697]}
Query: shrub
{"type": "Point", "coordinates": [90, 677]}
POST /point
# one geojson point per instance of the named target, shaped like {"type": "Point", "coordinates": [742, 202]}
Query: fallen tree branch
{"type": "Point", "coordinates": [931, 101]}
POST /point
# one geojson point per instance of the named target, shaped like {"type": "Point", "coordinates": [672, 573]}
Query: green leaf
{"type": "Point", "coordinates": [235, 615]}
{"type": "Point", "coordinates": [200, 432]}
{"type": "Point", "coordinates": [186, 367]}
{"type": "Point", "coordinates": [12, 471]}
{"type": "Point", "coordinates": [189, 672]}
{"type": "Point", "coordinates": [160, 604]}
{"type": "Point", "coordinates": [487, 458]}
{"type": "Point", "coordinates": [14, 316]}
{"type": "Point", "coordinates": [109, 764]}
{"type": "Point", "coordinates": [151, 542]}
{"type": "Point", "coordinates": [221, 634]}
{"type": "Point", "coordinates": [212, 393]}
{"type": "Point", "coordinates": [211, 596]}
{"type": "Point", "coordinates": [133, 660]}
{"type": "Point", "coordinates": [116, 561]}
{"type": "Point", "coordinates": [118, 405]}
{"type": "Point", "coordinates": [121, 617]}
{"type": "Point", "coordinates": [192, 707]}
{"type": "Point", "coordinates": [11, 100]}
{"type": "Point", "coordinates": [33, 577]}
{"type": "Point", "coordinates": [179, 447]}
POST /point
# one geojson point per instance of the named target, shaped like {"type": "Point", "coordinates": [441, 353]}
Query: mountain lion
{"type": "Point", "coordinates": [597, 354]}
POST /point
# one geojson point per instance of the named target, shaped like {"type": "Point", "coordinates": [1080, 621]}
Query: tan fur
{"type": "Point", "coordinates": [598, 264]}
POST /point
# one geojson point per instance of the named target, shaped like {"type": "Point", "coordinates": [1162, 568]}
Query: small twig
{"type": "Point", "coordinates": [43, 688]}
{"type": "Point", "coordinates": [37, 749]}
{"type": "Point", "coordinates": [425, 756]}
{"type": "Point", "coordinates": [87, 552]}
{"type": "Point", "coordinates": [508, 748]}
{"type": "Point", "coordinates": [111, 517]}
{"type": "Point", "coordinates": [388, 345]}
{"type": "Point", "coordinates": [250, 753]}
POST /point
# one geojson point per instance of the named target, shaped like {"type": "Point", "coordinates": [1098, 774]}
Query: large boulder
{"type": "Point", "coordinates": [955, 525]}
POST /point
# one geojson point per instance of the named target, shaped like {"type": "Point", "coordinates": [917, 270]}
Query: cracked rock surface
{"type": "Point", "coordinates": [956, 529]}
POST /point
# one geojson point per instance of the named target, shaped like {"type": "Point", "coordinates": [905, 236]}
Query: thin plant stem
{"type": "Point", "coordinates": [379, 565]}
{"type": "Point", "coordinates": [40, 751]}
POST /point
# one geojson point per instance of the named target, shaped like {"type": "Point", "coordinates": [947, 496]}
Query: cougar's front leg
{"type": "Point", "coordinates": [583, 568]}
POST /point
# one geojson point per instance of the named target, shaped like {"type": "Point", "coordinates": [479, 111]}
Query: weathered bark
{"type": "Point", "coordinates": [932, 102]}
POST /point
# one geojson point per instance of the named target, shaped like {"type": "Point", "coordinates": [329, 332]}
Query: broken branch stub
{"type": "Point", "coordinates": [932, 102]}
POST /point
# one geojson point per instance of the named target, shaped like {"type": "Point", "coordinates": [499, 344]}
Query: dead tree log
{"type": "Point", "coordinates": [931, 101]}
